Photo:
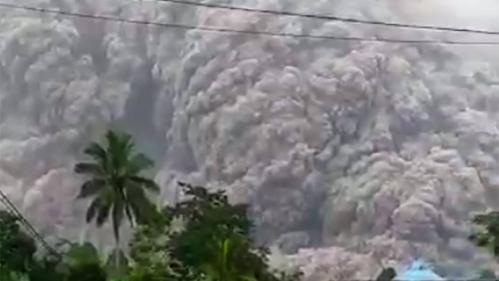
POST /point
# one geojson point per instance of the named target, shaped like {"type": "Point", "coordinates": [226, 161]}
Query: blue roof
{"type": "Point", "coordinates": [418, 271]}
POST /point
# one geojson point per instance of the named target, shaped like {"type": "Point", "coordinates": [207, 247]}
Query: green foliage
{"type": "Point", "coordinates": [115, 182]}
{"type": "Point", "coordinates": [81, 254]}
{"type": "Point", "coordinates": [46, 269]}
{"type": "Point", "coordinates": [210, 219]}
{"type": "Point", "coordinates": [82, 263]}
{"type": "Point", "coordinates": [387, 274]}
{"type": "Point", "coordinates": [204, 238]}
{"type": "Point", "coordinates": [8, 275]}
{"type": "Point", "coordinates": [16, 247]}
{"type": "Point", "coordinates": [17, 250]}
{"type": "Point", "coordinates": [487, 235]}
{"type": "Point", "coordinates": [87, 272]}
{"type": "Point", "coordinates": [150, 252]}
{"type": "Point", "coordinates": [232, 260]}
{"type": "Point", "coordinates": [117, 264]}
{"type": "Point", "coordinates": [487, 274]}
{"type": "Point", "coordinates": [213, 243]}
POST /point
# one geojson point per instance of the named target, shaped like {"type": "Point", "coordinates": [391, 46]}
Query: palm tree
{"type": "Point", "coordinates": [115, 183]}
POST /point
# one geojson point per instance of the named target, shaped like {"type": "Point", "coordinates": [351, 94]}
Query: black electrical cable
{"type": "Point", "coordinates": [333, 18]}
{"type": "Point", "coordinates": [250, 32]}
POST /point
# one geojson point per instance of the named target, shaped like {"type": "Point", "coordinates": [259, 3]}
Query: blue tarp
{"type": "Point", "coordinates": [417, 271]}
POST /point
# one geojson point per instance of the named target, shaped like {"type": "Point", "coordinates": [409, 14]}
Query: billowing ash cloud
{"type": "Point", "coordinates": [350, 153]}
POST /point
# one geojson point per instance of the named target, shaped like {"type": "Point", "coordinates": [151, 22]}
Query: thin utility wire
{"type": "Point", "coordinates": [8, 208]}
{"type": "Point", "coordinates": [17, 213]}
{"type": "Point", "coordinates": [249, 32]}
{"type": "Point", "coordinates": [13, 209]}
{"type": "Point", "coordinates": [333, 18]}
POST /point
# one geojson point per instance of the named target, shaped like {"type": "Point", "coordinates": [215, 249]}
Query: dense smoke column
{"type": "Point", "coordinates": [372, 152]}
{"type": "Point", "coordinates": [365, 140]}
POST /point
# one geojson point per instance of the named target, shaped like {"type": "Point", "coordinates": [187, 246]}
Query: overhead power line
{"type": "Point", "coordinates": [333, 18]}
{"type": "Point", "coordinates": [12, 209]}
{"type": "Point", "coordinates": [238, 31]}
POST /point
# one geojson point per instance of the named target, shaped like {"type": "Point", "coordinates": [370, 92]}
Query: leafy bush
{"type": "Point", "coordinates": [16, 247]}
{"type": "Point", "coordinates": [87, 272]}
{"type": "Point", "coordinates": [46, 269]}
{"type": "Point", "coordinates": [8, 275]}
{"type": "Point", "coordinates": [150, 252]}
{"type": "Point", "coordinates": [212, 244]}
{"type": "Point", "coordinates": [487, 234]}
{"type": "Point", "coordinates": [82, 263]}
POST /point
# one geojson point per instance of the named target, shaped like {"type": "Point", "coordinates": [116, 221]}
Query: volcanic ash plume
{"type": "Point", "coordinates": [351, 154]}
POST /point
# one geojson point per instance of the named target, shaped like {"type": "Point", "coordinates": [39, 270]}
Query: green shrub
{"type": "Point", "coordinates": [16, 247]}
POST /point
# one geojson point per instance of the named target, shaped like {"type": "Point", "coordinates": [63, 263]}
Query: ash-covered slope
{"type": "Point", "coordinates": [357, 153]}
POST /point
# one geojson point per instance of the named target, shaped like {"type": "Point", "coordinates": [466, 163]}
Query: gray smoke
{"type": "Point", "coordinates": [351, 154]}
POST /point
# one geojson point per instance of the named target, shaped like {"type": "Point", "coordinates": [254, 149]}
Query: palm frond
{"type": "Point", "coordinates": [114, 148]}
{"type": "Point", "coordinates": [92, 209]}
{"type": "Point", "coordinates": [125, 149]}
{"type": "Point", "coordinates": [129, 214]}
{"type": "Point", "coordinates": [127, 145]}
{"type": "Point", "coordinates": [138, 163]}
{"type": "Point", "coordinates": [91, 187]}
{"type": "Point", "coordinates": [112, 138]}
{"type": "Point", "coordinates": [139, 203]}
{"type": "Point", "coordinates": [96, 151]}
{"type": "Point", "coordinates": [146, 183]}
{"type": "Point", "coordinates": [138, 213]}
{"type": "Point", "coordinates": [103, 212]}
{"type": "Point", "coordinates": [89, 169]}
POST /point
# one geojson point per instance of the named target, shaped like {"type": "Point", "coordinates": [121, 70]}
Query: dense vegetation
{"type": "Point", "coordinates": [203, 238]}
{"type": "Point", "coordinates": [487, 236]}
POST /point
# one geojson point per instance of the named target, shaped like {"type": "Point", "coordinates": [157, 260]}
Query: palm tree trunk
{"type": "Point", "coordinates": [117, 249]}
